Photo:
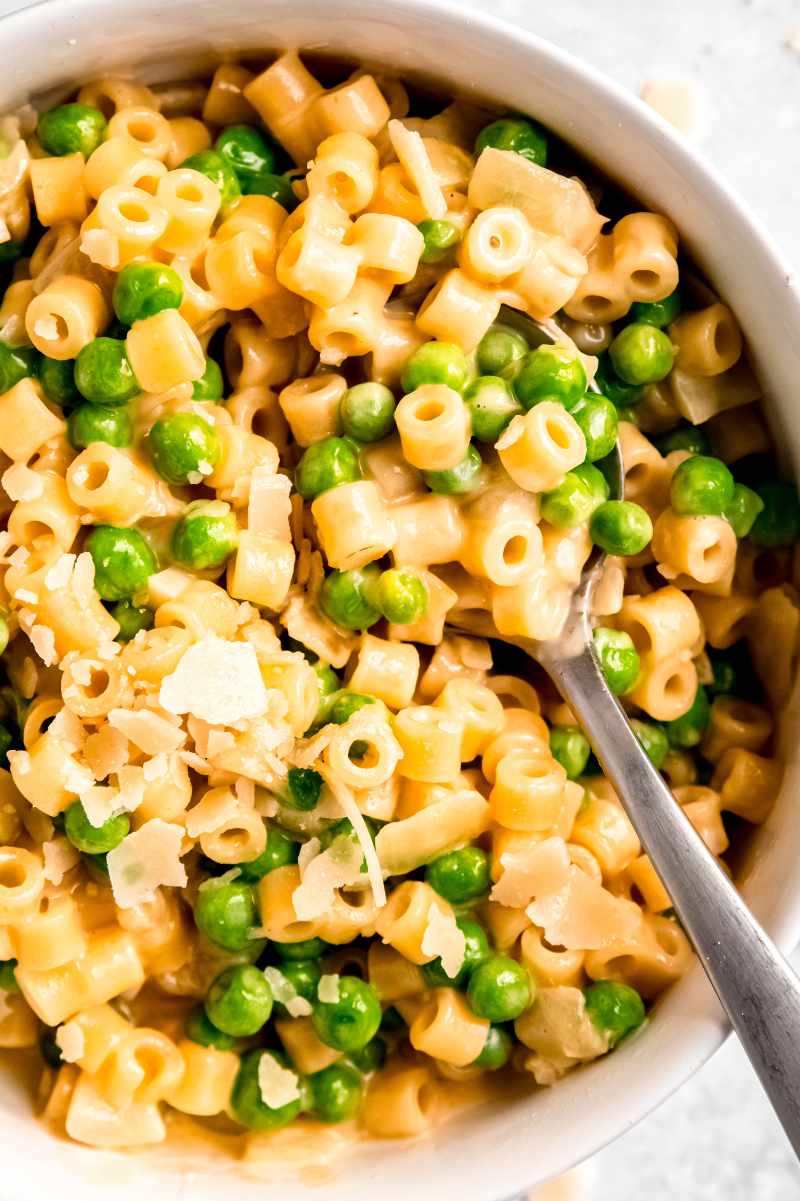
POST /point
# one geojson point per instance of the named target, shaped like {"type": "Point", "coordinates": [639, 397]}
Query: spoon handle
{"type": "Point", "coordinates": [758, 990]}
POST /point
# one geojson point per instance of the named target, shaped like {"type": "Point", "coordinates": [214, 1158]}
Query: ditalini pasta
{"type": "Point", "coordinates": [275, 846]}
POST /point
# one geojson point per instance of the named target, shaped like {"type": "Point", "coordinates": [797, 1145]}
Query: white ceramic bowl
{"type": "Point", "coordinates": [484, 1155]}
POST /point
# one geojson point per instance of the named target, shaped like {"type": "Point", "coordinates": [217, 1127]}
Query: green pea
{"type": "Point", "coordinates": [618, 658]}
{"type": "Point", "coordinates": [8, 976]}
{"type": "Point", "coordinates": [277, 187]}
{"type": "Point", "coordinates": [280, 851]}
{"type": "Point", "coordinates": [123, 561]}
{"type": "Point", "coordinates": [598, 421]}
{"type": "Point", "coordinates": [459, 480]}
{"type": "Point", "coordinates": [725, 676]}
{"type": "Point", "coordinates": [200, 1030]}
{"type": "Point", "coordinates": [348, 597]}
{"type": "Point", "coordinates": [89, 423]}
{"type": "Point", "coordinates": [615, 1008]}
{"type": "Point", "coordinates": [226, 913]}
{"type": "Point", "coordinates": [743, 510]}
{"type": "Point", "coordinates": [476, 951]}
{"type": "Point", "coordinates": [49, 1048]}
{"type": "Point", "coordinates": [345, 705]}
{"type": "Point", "coordinates": [620, 527]}
{"type": "Point", "coordinates": [653, 739]}
{"type": "Point", "coordinates": [569, 746]}
{"type": "Point", "coordinates": [349, 1023]}
{"type": "Point", "coordinates": [246, 150]}
{"type": "Point", "coordinates": [496, 1050]}
{"type": "Point", "coordinates": [304, 975]}
{"type": "Point", "coordinates": [210, 386]}
{"type": "Point", "coordinates": [461, 875]}
{"type": "Point", "coordinates": [436, 363]}
{"type": "Point", "coordinates": [440, 237]}
{"type": "Point", "coordinates": [307, 948]}
{"type": "Point", "coordinates": [686, 437]}
{"type": "Point", "coordinates": [11, 251]}
{"type": "Point", "coordinates": [326, 464]}
{"type": "Point", "coordinates": [16, 363]}
{"type": "Point", "coordinates": [500, 989]}
{"type": "Point", "coordinates": [247, 1104]}
{"type": "Point", "coordinates": [57, 377]}
{"type": "Point", "coordinates": [367, 412]}
{"type": "Point", "coordinates": [71, 129]}
{"type": "Point", "coordinates": [573, 501]}
{"type": "Point", "coordinates": [183, 448]}
{"type": "Point", "coordinates": [205, 536]}
{"type": "Point", "coordinates": [402, 596]}
{"type": "Point", "coordinates": [701, 486]}
{"type": "Point", "coordinates": [551, 373]}
{"type": "Point", "coordinates": [95, 840]}
{"type": "Point", "coordinates": [327, 680]}
{"type": "Point", "coordinates": [336, 1093]}
{"type": "Point", "coordinates": [303, 786]}
{"type": "Point", "coordinates": [97, 867]}
{"type": "Point", "coordinates": [219, 171]}
{"type": "Point", "coordinates": [657, 312]}
{"type": "Point", "coordinates": [144, 289]}
{"type": "Point", "coordinates": [131, 619]}
{"type": "Point", "coordinates": [517, 134]}
{"type": "Point", "coordinates": [239, 1001]}
{"type": "Point", "coordinates": [623, 396]}
{"type": "Point", "coordinates": [491, 405]}
{"type": "Point", "coordinates": [778, 523]}
{"type": "Point", "coordinates": [103, 374]}
{"type": "Point", "coordinates": [641, 354]}
{"type": "Point", "coordinates": [501, 352]}
{"type": "Point", "coordinates": [372, 1057]}
{"type": "Point", "coordinates": [687, 731]}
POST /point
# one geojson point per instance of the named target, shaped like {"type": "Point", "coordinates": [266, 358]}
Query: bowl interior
{"type": "Point", "coordinates": [492, 1152]}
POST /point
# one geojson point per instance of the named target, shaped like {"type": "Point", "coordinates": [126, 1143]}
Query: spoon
{"type": "Point", "coordinates": [756, 987]}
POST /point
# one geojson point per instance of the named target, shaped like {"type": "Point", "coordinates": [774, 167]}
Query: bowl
{"type": "Point", "coordinates": [496, 1151]}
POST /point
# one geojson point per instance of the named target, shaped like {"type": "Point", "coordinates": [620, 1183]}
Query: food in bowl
{"type": "Point", "coordinates": [278, 845]}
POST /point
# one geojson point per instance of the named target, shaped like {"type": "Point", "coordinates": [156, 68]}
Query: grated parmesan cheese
{"type": "Point", "coordinates": [20, 483]}
{"type": "Point", "coordinates": [535, 871]}
{"type": "Point", "coordinates": [101, 247]}
{"type": "Point", "coordinates": [151, 733]}
{"type": "Point", "coordinates": [60, 574]}
{"type": "Point", "coordinates": [321, 874]}
{"type": "Point", "coordinates": [144, 861]}
{"type": "Point", "coordinates": [443, 938]}
{"type": "Point", "coordinates": [328, 989]}
{"type": "Point", "coordinates": [105, 752]}
{"type": "Point", "coordinates": [60, 857]}
{"type": "Point", "coordinates": [286, 994]}
{"type": "Point", "coordinates": [278, 1085]}
{"type": "Point", "coordinates": [216, 680]}
{"type": "Point", "coordinates": [71, 1041]}
{"type": "Point", "coordinates": [582, 915]}
{"type": "Point", "coordinates": [43, 641]}
{"type": "Point", "coordinates": [350, 809]}
{"type": "Point", "coordinates": [412, 154]}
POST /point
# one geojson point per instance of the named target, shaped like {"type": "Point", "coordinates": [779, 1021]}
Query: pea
{"type": "Point", "coordinates": [8, 976]}
{"type": "Point", "coordinates": [551, 373]}
{"type": "Point", "coordinates": [346, 704]}
{"type": "Point", "coordinates": [95, 840]}
{"type": "Point", "coordinates": [144, 289]}
{"type": "Point", "coordinates": [440, 237]}
{"type": "Point", "coordinates": [461, 875]}
{"type": "Point", "coordinates": [97, 867]}
{"type": "Point", "coordinates": [304, 976]}
{"type": "Point", "coordinates": [641, 354]}
{"type": "Point", "coordinates": [336, 1093]}
{"type": "Point", "coordinates": [620, 527]}
{"type": "Point", "coordinates": [367, 412]}
{"type": "Point", "coordinates": [327, 680]}
{"type": "Point", "coordinates": [219, 171]}
{"type": "Point", "coordinates": [491, 405]}
{"type": "Point", "coordinates": [103, 375]}
{"type": "Point", "coordinates": [210, 386]}
{"type": "Point", "coordinates": [436, 363]}
{"type": "Point", "coordinates": [183, 448]}
{"type": "Point", "coordinates": [725, 676]}
{"type": "Point", "coordinates": [16, 363]}
{"type": "Point", "coordinates": [402, 596]}
{"type": "Point", "coordinates": [246, 150]}
{"type": "Point", "coordinates": [657, 312]}
{"type": "Point", "coordinates": [326, 464]}
{"type": "Point", "coordinates": [653, 739]}
{"type": "Point", "coordinates": [500, 989]}
{"type": "Point", "coordinates": [247, 1104]}
{"type": "Point", "coordinates": [496, 1050]}
{"type": "Point", "coordinates": [573, 501]}
{"type": "Point", "coordinates": [307, 948]}
{"type": "Point", "coordinates": [743, 510]}
{"type": "Point", "coordinates": [501, 352]}
{"type": "Point", "coordinates": [686, 731]}
{"type": "Point", "coordinates": [123, 561]}
{"type": "Point", "coordinates": [700, 486]}
{"type": "Point", "coordinates": [615, 1008]}
{"type": "Point", "coordinates": [517, 134]}
{"type": "Point", "coordinates": [226, 913]}
{"type": "Point", "coordinates": [686, 437]}
{"type": "Point", "coordinates": [200, 1030]}
{"type": "Point", "coordinates": [89, 423]}
{"type": "Point", "coordinates": [239, 1001]}
{"type": "Point", "coordinates": [372, 1057]}
{"type": "Point", "coordinates": [476, 951]}
{"type": "Point", "coordinates": [348, 597]}
{"type": "Point", "coordinates": [280, 851]}
{"type": "Point", "coordinates": [303, 787]}
{"type": "Point", "coordinates": [277, 187]}
{"type": "Point", "coordinates": [598, 421]}
{"type": "Point", "coordinates": [131, 619]}
{"type": "Point", "coordinates": [57, 377]}
{"type": "Point", "coordinates": [569, 746]}
{"type": "Point", "coordinates": [623, 396]}
{"type": "Point", "coordinates": [459, 480]}
{"type": "Point", "coordinates": [778, 523]}
{"type": "Point", "coordinates": [205, 536]}
{"type": "Point", "coordinates": [71, 129]}
{"type": "Point", "coordinates": [618, 658]}
{"type": "Point", "coordinates": [349, 1023]}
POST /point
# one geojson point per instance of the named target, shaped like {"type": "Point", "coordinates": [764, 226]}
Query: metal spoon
{"type": "Point", "coordinates": [757, 988]}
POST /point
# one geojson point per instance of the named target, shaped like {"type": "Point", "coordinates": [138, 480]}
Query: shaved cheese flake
{"type": "Point", "coordinates": [216, 680]}
{"type": "Point", "coordinates": [308, 851]}
{"type": "Point", "coordinates": [337, 867]}
{"type": "Point", "coordinates": [410, 150]}
{"type": "Point", "coordinates": [227, 877]}
{"type": "Point", "coordinates": [20, 557]}
{"type": "Point", "coordinates": [286, 994]}
{"type": "Point", "coordinates": [60, 857]}
{"type": "Point", "coordinates": [269, 506]}
{"type": "Point", "coordinates": [304, 623]}
{"type": "Point", "coordinates": [20, 483]}
{"type": "Point", "coordinates": [60, 574]}
{"type": "Point", "coordinates": [278, 1085]}
{"type": "Point", "coordinates": [350, 809]}
{"type": "Point", "coordinates": [66, 727]}
{"type": "Point", "coordinates": [71, 1041]}
{"type": "Point", "coordinates": [101, 247]}
{"type": "Point", "coordinates": [535, 871]}
{"type": "Point", "coordinates": [43, 641]}
{"type": "Point", "coordinates": [151, 733]}
{"type": "Point", "coordinates": [26, 596]}
{"type": "Point", "coordinates": [582, 915]}
{"type": "Point", "coordinates": [328, 989]}
{"type": "Point", "coordinates": [144, 861]}
{"type": "Point", "coordinates": [105, 752]}
{"type": "Point", "coordinates": [155, 768]}
{"type": "Point", "coordinates": [100, 803]}
{"type": "Point", "coordinates": [443, 938]}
